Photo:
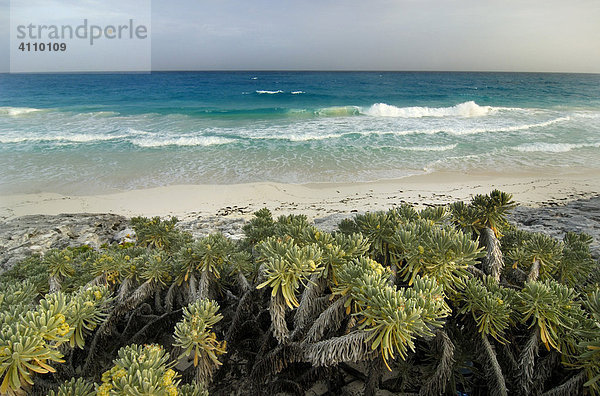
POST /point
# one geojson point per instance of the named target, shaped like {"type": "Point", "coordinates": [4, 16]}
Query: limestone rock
{"type": "Point", "coordinates": [23, 236]}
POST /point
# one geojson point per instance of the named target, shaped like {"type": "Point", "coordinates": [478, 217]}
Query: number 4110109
{"type": "Point", "coordinates": [37, 47]}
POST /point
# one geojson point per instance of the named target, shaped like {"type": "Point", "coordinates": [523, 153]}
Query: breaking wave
{"type": "Point", "coordinates": [16, 111]}
{"type": "Point", "coordinates": [466, 109]}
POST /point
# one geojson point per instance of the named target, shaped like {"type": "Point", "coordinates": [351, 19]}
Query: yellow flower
{"type": "Point", "coordinates": [106, 375]}
{"type": "Point", "coordinates": [167, 379]}
{"type": "Point", "coordinates": [104, 389]}
{"type": "Point", "coordinates": [63, 329]}
{"type": "Point", "coordinates": [172, 390]}
{"type": "Point", "coordinates": [119, 374]}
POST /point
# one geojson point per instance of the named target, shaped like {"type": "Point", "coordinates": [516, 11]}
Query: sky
{"type": "Point", "coordinates": [453, 35]}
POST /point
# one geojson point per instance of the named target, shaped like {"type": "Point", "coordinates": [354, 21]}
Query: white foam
{"type": "Point", "coordinates": [471, 131]}
{"type": "Point", "coordinates": [183, 141]}
{"type": "Point", "coordinates": [306, 138]}
{"type": "Point", "coordinates": [297, 92]}
{"type": "Point", "coordinates": [16, 111]}
{"type": "Point", "coordinates": [466, 109]}
{"type": "Point", "coordinates": [105, 113]}
{"type": "Point", "coordinates": [429, 148]}
{"type": "Point", "coordinates": [261, 92]}
{"type": "Point", "coordinates": [516, 128]}
{"type": "Point", "coordinates": [553, 147]}
{"type": "Point", "coordinates": [588, 115]}
{"type": "Point", "coordinates": [78, 138]}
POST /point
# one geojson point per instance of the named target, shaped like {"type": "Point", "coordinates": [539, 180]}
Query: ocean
{"type": "Point", "coordinates": [100, 133]}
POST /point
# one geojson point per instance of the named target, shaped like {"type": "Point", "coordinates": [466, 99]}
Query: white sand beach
{"type": "Point", "coordinates": [314, 200]}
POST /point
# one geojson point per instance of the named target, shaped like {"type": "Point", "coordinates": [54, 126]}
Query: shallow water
{"type": "Point", "coordinates": [91, 133]}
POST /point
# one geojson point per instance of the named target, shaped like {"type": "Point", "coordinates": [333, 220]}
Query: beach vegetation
{"type": "Point", "coordinates": [443, 300]}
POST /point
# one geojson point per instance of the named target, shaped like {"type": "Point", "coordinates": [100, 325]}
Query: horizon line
{"type": "Point", "coordinates": [298, 71]}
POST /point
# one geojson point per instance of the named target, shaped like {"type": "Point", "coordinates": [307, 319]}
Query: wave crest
{"type": "Point", "coordinates": [466, 109]}
{"type": "Point", "coordinates": [16, 111]}
{"type": "Point", "coordinates": [262, 92]}
{"type": "Point", "coordinates": [553, 147]}
{"type": "Point", "coordinates": [338, 111]}
{"type": "Point", "coordinates": [183, 141]}
{"type": "Point", "coordinates": [76, 138]}
{"type": "Point", "coordinates": [429, 148]}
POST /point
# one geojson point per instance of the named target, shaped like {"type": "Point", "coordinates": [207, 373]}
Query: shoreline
{"type": "Point", "coordinates": [34, 223]}
{"type": "Point", "coordinates": [313, 199]}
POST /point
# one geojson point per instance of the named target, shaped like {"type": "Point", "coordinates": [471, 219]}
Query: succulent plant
{"type": "Point", "coordinates": [589, 349]}
{"type": "Point", "coordinates": [354, 277]}
{"type": "Point", "coordinates": [539, 255]}
{"type": "Point", "coordinates": [395, 317]}
{"type": "Point", "coordinates": [435, 214]}
{"type": "Point", "coordinates": [490, 305]}
{"type": "Point", "coordinates": [491, 210]}
{"type": "Point", "coordinates": [553, 308]}
{"type": "Point", "coordinates": [339, 250]}
{"type": "Point", "coordinates": [86, 310]}
{"type": "Point", "coordinates": [291, 226]}
{"type": "Point", "coordinates": [24, 352]}
{"type": "Point", "coordinates": [208, 254]}
{"type": "Point", "coordinates": [157, 233]}
{"type": "Point", "coordinates": [74, 387]}
{"type": "Point", "coordinates": [259, 228]}
{"type": "Point", "coordinates": [430, 250]}
{"type": "Point", "coordinates": [576, 263]}
{"type": "Point", "coordinates": [287, 266]}
{"type": "Point", "coordinates": [140, 370]}
{"type": "Point", "coordinates": [377, 227]}
{"type": "Point", "coordinates": [60, 265]}
{"type": "Point", "coordinates": [195, 336]}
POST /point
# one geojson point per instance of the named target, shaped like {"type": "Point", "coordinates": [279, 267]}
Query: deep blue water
{"type": "Point", "coordinates": [83, 133]}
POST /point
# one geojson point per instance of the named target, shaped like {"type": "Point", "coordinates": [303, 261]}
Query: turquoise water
{"type": "Point", "coordinates": [83, 133]}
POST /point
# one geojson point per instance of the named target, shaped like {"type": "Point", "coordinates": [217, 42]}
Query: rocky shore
{"type": "Point", "coordinates": [23, 236]}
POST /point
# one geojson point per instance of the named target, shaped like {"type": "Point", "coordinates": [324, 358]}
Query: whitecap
{"type": "Point", "coordinates": [429, 148]}
{"type": "Point", "coordinates": [261, 92]}
{"type": "Point", "coordinates": [306, 138]}
{"type": "Point", "coordinates": [183, 141]}
{"type": "Point", "coordinates": [77, 138]}
{"type": "Point", "coordinates": [16, 111]}
{"type": "Point", "coordinates": [471, 131]}
{"type": "Point", "coordinates": [553, 147]}
{"type": "Point", "coordinates": [466, 109]}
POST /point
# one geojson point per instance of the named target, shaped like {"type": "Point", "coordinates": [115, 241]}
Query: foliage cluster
{"type": "Point", "coordinates": [446, 299]}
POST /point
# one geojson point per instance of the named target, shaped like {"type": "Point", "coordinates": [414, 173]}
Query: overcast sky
{"type": "Point", "coordinates": [482, 35]}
